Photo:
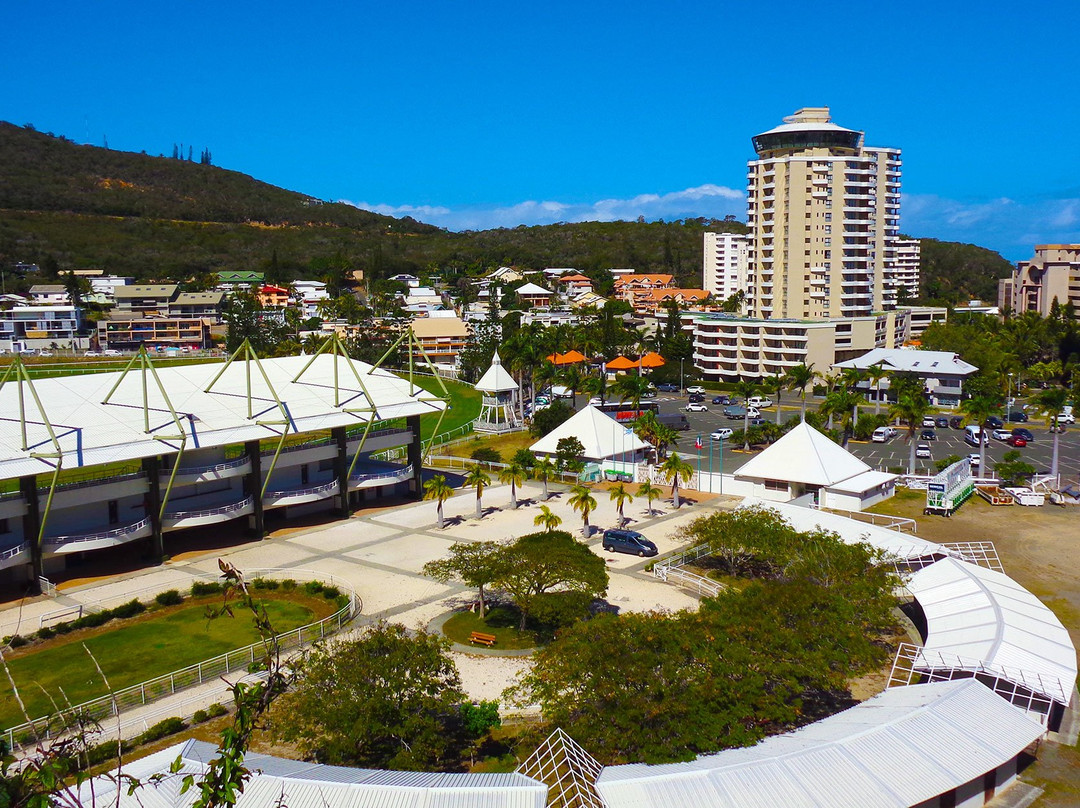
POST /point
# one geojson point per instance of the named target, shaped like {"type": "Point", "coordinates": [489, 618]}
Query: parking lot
{"type": "Point", "coordinates": [877, 455]}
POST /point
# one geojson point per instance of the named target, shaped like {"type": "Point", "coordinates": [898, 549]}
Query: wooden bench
{"type": "Point", "coordinates": [482, 639]}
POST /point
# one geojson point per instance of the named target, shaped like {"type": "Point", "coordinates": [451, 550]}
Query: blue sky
{"type": "Point", "coordinates": [481, 114]}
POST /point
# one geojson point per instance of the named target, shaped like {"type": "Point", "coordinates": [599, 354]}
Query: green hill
{"type": "Point", "coordinates": [953, 272]}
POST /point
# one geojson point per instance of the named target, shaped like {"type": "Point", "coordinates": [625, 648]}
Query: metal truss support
{"type": "Point", "coordinates": [412, 348]}
{"type": "Point", "coordinates": [253, 483]}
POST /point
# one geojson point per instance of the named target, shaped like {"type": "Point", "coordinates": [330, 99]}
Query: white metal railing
{"type": "Point", "coordinates": [48, 588]}
{"type": "Point", "coordinates": [211, 669]}
{"type": "Point", "coordinates": [359, 477]}
{"type": "Point", "coordinates": [897, 523]}
{"type": "Point", "coordinates": [464, 462]}
{"type": "Point", "coordinates": [14, 551]}
{"type": "Point", "coordinates": [116, 533]}
{"type": "Point", "coordinates": [671, 571]}
{"type": "Point", "coordinates": [302, 492]}
{"type": "Point", "coordinates": [224, 509]}
{"type": "Point", "coordinates": [228, 464]}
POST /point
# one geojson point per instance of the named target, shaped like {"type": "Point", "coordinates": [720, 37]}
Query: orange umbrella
{"type": "Point", "coordinates": [568, 358]}
{"type": "Point", "coordinates": [621, 363]}
{"type": "Point", "coordinates": [652, 360]}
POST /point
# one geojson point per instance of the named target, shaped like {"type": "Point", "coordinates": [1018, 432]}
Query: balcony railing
{"type": "Point", "coordinates": [196, 471]}
{"type": "Point", "coordinates": [308, 494]}
{"type": "Point", "coordinates": [358, 479]}
{"type": "Point", "coordinates": [224, 510]}
{"type": "Point", "coordinates": [115, 536]}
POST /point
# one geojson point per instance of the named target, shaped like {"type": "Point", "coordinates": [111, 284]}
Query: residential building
{"type": "Point", "coordinates": [906, 271]}
{"type": "Point", "coordinates": [551, 273]}
{"type": "Point", "coordinates": [146, 298]}
{"type": "Point", "coordinates": [590, 298]}
{"type": "Point", "coordinates": [441, 338]}
{"type": "Point", "coordinates": [942, 372]}
{"type": "Point", "coordinates": [630, 287]}
{"type": "Point", "coordinates": [533, 295]}
{"type": "Point", "coordinates": [25, 328]}
{"type": "Point", "coordinates": [573, 285]}
{"type": "Point", "coordinates": [197, 304]}
{"type": "Point", "coordinates": [233, 279]}
{"type": "Point", "coordinates": [505, 275]}
{"type": "Point", "coordinates": [129, 331]}
{"type": "Point", "coordinates": [922, 317]}
{"type": "Point", "coordinates": [824, 211]}
{"type": "Point", "coordinates": [654, 300]}
{"type": "Point", "coordinates": [728, 347]}
{"type": "Point", "coordinates": [725, 264]}
{"type": "Point", "coordinates": [49, 294]}
{"type": "Point", "coordinates": [410, 281]}
{"type": "Point", "coordinates": [107, 285]}
{"type": "Point", "coordinates": [1053, 274]}
{"type": "Point", "coordinates": [311, 293]}
{"type": "Point", "coordinates": [273, 297]}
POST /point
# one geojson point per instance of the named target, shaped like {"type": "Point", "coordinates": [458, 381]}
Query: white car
{"type": "Point", "coordinates": [697, 388]}
{"type": "Point", "coordinates": [929, 421]}
{"type": "Point", "coordinates": [973, 458]}
{"type": "Point", "coordinates": [696, 407]}
{"type": "Point", "coordinates": [1066, 418]}
{"type": "Point", "coordinates": [1001, 434]}
{"type": "Point", "coordinates": [722, 434]}
{"type": "Point", "coordinates": [922, 450]}
{"type": "Point", "coordinates": [759, 402]}
{"type": "Point", "coordinates": [111, 352]}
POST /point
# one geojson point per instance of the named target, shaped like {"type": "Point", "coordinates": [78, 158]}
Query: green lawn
{"type": "Point", "coordinates": [505, 445]}
{"type": "Point", "coordinates": [142, 649]}
{"type": "Point", "coordinates": [464, 405]}
{"type": "Point", "coordinates": [500, 621]}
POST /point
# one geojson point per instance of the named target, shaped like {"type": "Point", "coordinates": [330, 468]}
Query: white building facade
{"type": "Point", "coordinates": [724, 264]}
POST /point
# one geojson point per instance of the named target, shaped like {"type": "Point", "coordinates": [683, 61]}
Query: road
{"type": "Point", "coordinates": [878, 455]}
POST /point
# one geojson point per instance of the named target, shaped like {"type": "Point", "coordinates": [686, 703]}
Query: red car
{"type": "Point", "coordinates": [1017, 441]}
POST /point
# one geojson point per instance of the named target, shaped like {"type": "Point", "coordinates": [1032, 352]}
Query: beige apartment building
{"type": "Point", "coordinates": [906, 271]}
{"type": "Point", "coordinates": [824, 212]}
{"type": "Point", "coordinates": [728, 347]}
{"type": "Point", "coordinates": [724, 264]}
{"type": "Point", "coordinates": [1052, 274]}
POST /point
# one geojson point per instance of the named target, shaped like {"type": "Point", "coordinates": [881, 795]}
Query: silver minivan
{"type": "Point", "coordinates": [973, 433]}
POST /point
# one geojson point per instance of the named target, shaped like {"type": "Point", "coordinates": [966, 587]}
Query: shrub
{"type": "Point", "coordinates": [215, 710]}
{"type": "Point", "coordinates": [200, 588]}
{"type": "Point", "coordinates": [46, 633]}
{"type": "Point", "coordinates": [16, 641]}
{"type": "Point", "coordinates": [172, 597]}
{"type": "Point", "coordinates": [170, 726]}
{"type": "Point", "coordinates": [63, 628]}
{"type": "Point", "coordinates": [265, 583]}
{"type": "Point", "coordinates": [288, 585]}
{"type": "Point", "coordinates": [129, 609]}
{"type": "Point", "coordinates": [331, 592]}
{"type": "Point", "coordinates": [313, 587]}
{"type": "Point", "coordinates": [485, 454]}
{"type": "Point", "coordinates": [200, 716]}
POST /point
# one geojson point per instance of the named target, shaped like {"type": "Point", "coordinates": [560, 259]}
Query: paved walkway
{"type": "Point", "coordinates": [380, 554]}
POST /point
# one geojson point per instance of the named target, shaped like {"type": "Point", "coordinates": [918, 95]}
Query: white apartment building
{"type": "Point", "coordinates": [24, 328]}
{"type": "Point", "coordinates": [724, 264]}
{"type": "Point", "coordinates": [824, 212]}
{"type": "Point", "coordinates": [905, 271]}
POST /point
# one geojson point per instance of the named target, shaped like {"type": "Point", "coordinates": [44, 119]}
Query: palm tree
{"type": "Point", "coordinates": [665, 436]}
{"type": "Point", "coordinates": [911, 407]}
{"type": "Point", "coordinates": [544, 376]}
{"type": "Point", "coordinates": [773, 386]}
{"type": "Point", "coordinates": [515, 474]}
{"type": "Point", "coordinates": [797, 379]}
{"type": "Point", "coordinates": [546, 519]}
{"type": "Point", "coordinates": [676, 469]}
{"type": "Point", "coordinates": [645, 426]}
{"type": "Point", "coordinates": [745, 389]}
{"type": "Point", "coordinates": [572, 377]}
{"type": "Point", "coordinates": [619, 495]}
{"type": "Point", "coordinates": [439, 490]}
{"type": "Point", "coordinates": [876, 374]}
{"type": "Point", "coordinates": [650, 492]}
{"type": "Point", "coordinates": [632, 388]}
{"type": "Point", "coordinates": [597, 386]}
{"type": "Point", "coordinates": [1052, 402]}
{"type": "Point", "coordinates": [850, 379]}
{"type": "Point", "coordinates": [543, 471]}
{"type": "Point", "coordinates": [979, 409]}
{"type": "Point", "coordinates": [844, 403]}
{"type": "Point", "coordinates": [581, 499]}
{"type": "Point", "coordinates": [477, 478]}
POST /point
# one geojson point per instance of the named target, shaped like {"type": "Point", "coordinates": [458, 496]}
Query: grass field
{"type": "Point", "coordinates": [500, 621]}
{"type": "Point", "coordinates": [505, 445]}
{"type": "Point", "coordinates": [155, 643]}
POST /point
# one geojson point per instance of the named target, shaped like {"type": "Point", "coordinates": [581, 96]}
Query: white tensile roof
{"type": "Point", "coordinates": [496, 379]}
{"type": "Point", "coordinates": [912, 360]}
{"type": "Point", "coordinates": [531, 289]}
{"type": "Point", "coordinates": [279, 781]}
{"type": "Point", "coordinates": [892, 543]}
{"type": "Point", "coordinates": [806, 456]}
{"type": "Point", "coordinates": [602, 436]}
{"type": "Point", "coordinates": [92, 432]}
{"type": "Point", "coordinates": [900, 748]}
{"type": "Point", "coordinates": [981, 615]}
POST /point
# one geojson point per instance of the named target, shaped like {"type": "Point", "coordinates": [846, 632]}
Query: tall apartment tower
{"type": "Point", "coordinates": [824, 212]}
{"type": "Point", "coordinates": [724, 264]}
{"type": "Point", "coordinates": [905, 271]}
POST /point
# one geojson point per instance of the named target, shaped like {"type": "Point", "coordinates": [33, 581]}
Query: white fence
{"type": "Point", "coordinates": [168, 684]}
{"type": "Point", "coordinates": [671, 571]}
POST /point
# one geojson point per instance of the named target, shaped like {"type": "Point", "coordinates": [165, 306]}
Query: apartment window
{"type": "Point", "coordinates": [828, 228]}
{"type": "Point", "coordinates": [828, 253]}
{"type": "Point", "coordinates": [828, 241]}
{"type": "Point", "coordinates": [828, 217]}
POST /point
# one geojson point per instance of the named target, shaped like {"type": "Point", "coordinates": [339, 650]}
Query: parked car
{"type": "Point", "coordinates": [922, 450]}
{"type": "Point", "coordinates": [697, 388]}
{"type": "Point", "coordinates": [974, 435]}
{"type": "Point", "coordinates": [696, 406]}
{"type": "Point", "coordinates": [92, 353]}
{"type": "Point", "coordinates": [734, 412]}
{"type": "Point", "coordinates": [1016, 441]}
{"type": "Point", "coordinates": [956, 422]}
{"type": "Point", "coordinates": [696, 398]}
{"type": "Point", "coordinates": [755, 420]}
{"type": "Point", "coordinates": [723, 399]}
{"type": "Point", "coordinates": [1020, 432]}
{"type": "Point", "coordinates": [111, 352]}
{"type": "Point", "coordinates": [668, 388]}
{"type": "Point", "coordinates": [928, 420]}
{"type": "Point", "coordinates": [883, 434]}
{"type": "Point", "coordinates": [722, 434]}
{"type": "Point", "coordinates": [993, 422]}
{"type": "Point", "coordinates": [1018, 417]}
{"type": "Point", "coordinates": [761, 402]}
{"type": "Point", "coordinates": [617, 540]}
{"type": "Point", "coordinates": [928, 434]}
{"type": "Point", "coordinates": [1001, 434]}
{"type": "Point", "coordinates": [942, 422]}
{"type": "Point", "coordinates": [1066, 418]}
{"type": "Point", "coordinates": [973, 458]}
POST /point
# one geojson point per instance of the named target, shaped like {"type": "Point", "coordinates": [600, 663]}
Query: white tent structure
{"type": "Point", "coordinates": [603, 437]}
{"type": "Point", "coordinates": [805, 462]}
{"type": "Point", "coordinates": [500, 397]}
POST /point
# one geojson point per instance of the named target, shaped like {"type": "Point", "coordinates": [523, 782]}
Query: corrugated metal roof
{"type": "Point", "coordinates": [901, 747]}
{"type": "Point", "coordinates": [103, 433]}
{"type": "Point", "coordinates": [984, 616]}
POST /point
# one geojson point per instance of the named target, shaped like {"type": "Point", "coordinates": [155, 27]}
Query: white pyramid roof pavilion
{"type": "Point", "coordinates": [496, 379]}
{"type": "Point", "coordinates": [602, 436]}
{"type": "Point", "coordinates": [806, 456]}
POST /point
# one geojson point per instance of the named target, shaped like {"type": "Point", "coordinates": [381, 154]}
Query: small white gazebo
{"type": "Point", "coordinates": [500, 399]}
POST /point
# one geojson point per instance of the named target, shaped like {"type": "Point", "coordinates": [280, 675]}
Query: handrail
{"type": "Point", "coordinates": [208, 670]}
{"type": "Point", "coordinates": [402, 471]}
{"type": "Point", "coordinates": [235, 506]}
{"type": "Point", "coordinates": [102, 478]}
{"type": "Point", "coordinates": [14, 551]}
{"type": "Point", "coordinates": [228, 464]}
{"type": "Point", "coordinates": [299, 492]}
{"type": "Point", "coordinates": [53, 541]}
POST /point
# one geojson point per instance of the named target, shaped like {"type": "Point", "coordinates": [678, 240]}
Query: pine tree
{"type": "Point", "coordinates": [175, 152]}
{"type": "Point", "coordinates": [189, 152]}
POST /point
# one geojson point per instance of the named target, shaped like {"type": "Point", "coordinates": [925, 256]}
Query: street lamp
{"type": "Point", "coordinates": [1008, 398]}
{"type": "Point", "coordinates": [682, 386]}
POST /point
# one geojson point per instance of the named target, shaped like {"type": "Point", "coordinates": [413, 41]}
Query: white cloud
{"type": "Point", "coordinates": [705, 200]}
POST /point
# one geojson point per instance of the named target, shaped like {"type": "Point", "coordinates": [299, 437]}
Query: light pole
{"type": "Point", "coordinates": [1008, 398]}
{"type": "Point", "coordinates": [682, 386]}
